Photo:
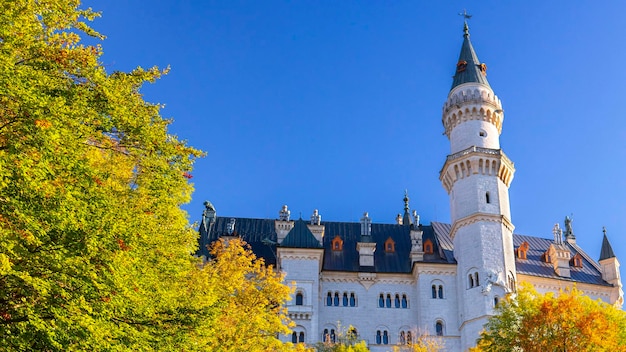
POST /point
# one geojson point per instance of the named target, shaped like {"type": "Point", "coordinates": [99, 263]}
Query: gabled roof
{"type": "Point", "coordinates": [300, 237]}
{"type": "Point", "coordinates": [261, 235]}
{"type": "Point", "coordinates": [607, 251]}
{"type": "Point", "coordinates": [534, 266]}
{"type": "Point", "coordinates": [470, 69]}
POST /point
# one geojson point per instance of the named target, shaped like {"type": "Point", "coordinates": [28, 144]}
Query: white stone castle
{"type": "Point", "coordinates": [392, 282]}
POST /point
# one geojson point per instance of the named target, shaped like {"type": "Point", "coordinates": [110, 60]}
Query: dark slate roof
{"type": "Point", "coordinates": [300, 237]}
{"type": "Point", "coordinates": [590, 272]}
{"type": "Point", "coordinates": [472, 71]}
{"type": "Point", "coordinates": [607, 251]}
{"type": "Point", "coordinates": [533, 265]}
{"type": "Point", "coordinates": [261, 235]}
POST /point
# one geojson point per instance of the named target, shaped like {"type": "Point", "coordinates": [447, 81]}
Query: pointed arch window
{"type": "Point", "coordinates": [352, 300]}
{"type": "Point", "coordinates": [329, 299]}
{"type": "Point", "coordinates": [405, 302]}
{"type": "Point", "coordinates": [397, 301]}
{"type": "Point", "coordinates": [388, 301]}
{"type": "Point", "coordinates": [345, 299]}
{"type": "Point", "coordinates": [336, 300]}
{"type": "Point", "coordinates": [381, 301]}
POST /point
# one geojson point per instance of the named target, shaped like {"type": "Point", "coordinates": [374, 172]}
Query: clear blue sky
{"type": "Point", "coordinates": [336, 105]}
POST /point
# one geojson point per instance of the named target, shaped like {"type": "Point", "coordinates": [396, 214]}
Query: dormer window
{"type": "Point", "coordinates": [461, 66]}
{"type": "Point", "coordinates": [390, 245]}
{"type": "Point", "coordinates": [521, 251]}
{"type": "Point", "coordinates": [545, 257]}
{"type": "Point", "coordinates": [576, 261]}
{"type": "Point", "coordinates": [428, 246]}
{"type": "Point", "coordinates": [337, 243]}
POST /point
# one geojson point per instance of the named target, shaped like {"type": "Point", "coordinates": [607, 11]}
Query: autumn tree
{"type": "Point", "coordinates": [422, 343]}
{"type": "Point", "coordinates": [346, 340]}
{"type": "Point", "coordinates": [248, 298]}
{"type": "Point", "coordinates": [568, 321]}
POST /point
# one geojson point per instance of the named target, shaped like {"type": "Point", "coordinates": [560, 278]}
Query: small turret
{"type": "Point", "coordinates": [559, 253]}
{"type": "Point", "coordinates": [316, 226]}
{"type": "Point", "coordinates": [283, 225]}
{"type": "Point", "coordinates": [610, 270]}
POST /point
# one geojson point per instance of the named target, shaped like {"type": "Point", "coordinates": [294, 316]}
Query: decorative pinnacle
{"type": "Point", "coordinates": [406, 200]}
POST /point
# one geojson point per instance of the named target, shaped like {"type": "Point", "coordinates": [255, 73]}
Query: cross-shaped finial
{"type": "Point", "coordinates": [466, 16]}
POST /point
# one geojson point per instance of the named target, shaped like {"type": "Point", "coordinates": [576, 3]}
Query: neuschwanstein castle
{"type": "Point", "coordinates": [391, 282]}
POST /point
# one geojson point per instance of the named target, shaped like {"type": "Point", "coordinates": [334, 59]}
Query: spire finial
{"type": "Point", "coordinates": [406, 200]}
{"type": "Point", "coordinates": [466, 16]}
{"type": "Point", "coordinates": [604, 230]}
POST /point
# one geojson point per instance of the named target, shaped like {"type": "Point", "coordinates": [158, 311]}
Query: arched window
{"type": "Point", "coordinates": [496, 300]}
{"type": "Point", "coordinates": [345, 299]}
{"type": "Point", "coordinates": [352, 300]}
{"type": "Point", "coordinates": [385, 337]}
{"type": "Point", "coordinates": [336, 301]}
{"type": "Point", "coordinates": [428, 246]}
{"type": "Point", "coordinates": [301, 336]}
{"type": "Point", "coordinates": [405, 303]}
{"type": "Point", "coordinates": [329, 299]}
{"type": "Point", "coordinates": [388, 301]}
{"type": "Point", "coordinates": [294, 337]}
{"type": "Point", "coordinates": [390, 245]}
{"type": "Point", "coordinates": [299, 299]}
{"type": "Point", "coordinates": [337, 243]}
{"type": "Point", "coordinates": [476, 279]}
{"type": "Point", "coordinates": [409, 338]}
{"type": "Point", "coordinates": [397, 301]}
{"type": "Point", "coordinates": [440, 291]}
{"type": "Point", "coordinates": [434, 291]}
{"type": "Point", "coordinates": [471, 281]}
{"type": "Point", "coordinates": [439, 328]}
{"type": "Point", "coordinates": [402, 338]}
{"type": "Point", "coordinates": [378, 337]}
{"type": "Point", "coordinates": [329, 335]}
{"type": "Point", "coordinates": [487, 198]}
{"type": "Point", "coordinates": [381, 301]}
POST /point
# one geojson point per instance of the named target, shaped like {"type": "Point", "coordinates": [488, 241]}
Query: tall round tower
{"type": "Point", "coordinates": [477, 175]}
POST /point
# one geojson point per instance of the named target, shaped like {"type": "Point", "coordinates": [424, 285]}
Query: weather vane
{"type": "Point", "coordinates": [466, 16]}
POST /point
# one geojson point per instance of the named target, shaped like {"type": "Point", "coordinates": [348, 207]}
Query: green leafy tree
{"type": "Point", "coordinates": [569, 321]}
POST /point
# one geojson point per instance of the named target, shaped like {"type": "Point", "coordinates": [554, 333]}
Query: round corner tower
{"type": "Point", "coordinates": [477, 175]}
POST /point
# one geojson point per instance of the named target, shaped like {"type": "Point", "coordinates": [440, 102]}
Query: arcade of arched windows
{"type": "Point", "coordinates": [387, 300]}
{"type": "Point", "coordinates": [344, 299]}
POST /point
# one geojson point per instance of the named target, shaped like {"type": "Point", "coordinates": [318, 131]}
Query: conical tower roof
{"type": "Point", "coordinates": [607, 251]}
{"type": "Point", "coordinates": [469, 68]}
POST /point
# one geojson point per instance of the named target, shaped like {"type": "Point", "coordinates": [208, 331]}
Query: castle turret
{"type": "Point", "coordinates": [477, 175]}
{"type": "Point", "coordinates": [610, 271]}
